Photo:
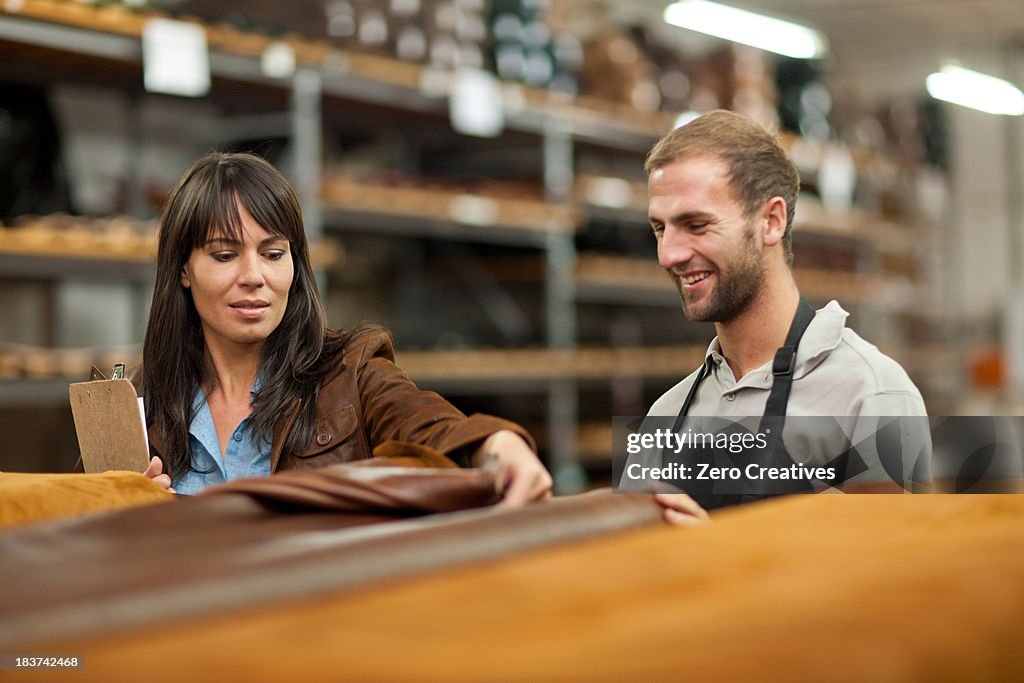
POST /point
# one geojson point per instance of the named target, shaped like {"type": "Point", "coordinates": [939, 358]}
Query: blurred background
{"type": "Point", "coordinates": [471, 175]}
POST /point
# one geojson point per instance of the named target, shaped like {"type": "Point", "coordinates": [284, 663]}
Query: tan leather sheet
{"type": "Point", "coordinates": [819, 588]}
{"type": "Point", "coordinates": [29, 497]}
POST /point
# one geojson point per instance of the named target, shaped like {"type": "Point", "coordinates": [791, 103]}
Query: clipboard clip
{"type": "Point", "coordinates": [97, 374]}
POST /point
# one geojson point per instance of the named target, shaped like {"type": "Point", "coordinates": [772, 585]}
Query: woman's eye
{"type": "Point", "coordinates": [222, 256]}
{"type": "Point", "coordinates": [274, 255]}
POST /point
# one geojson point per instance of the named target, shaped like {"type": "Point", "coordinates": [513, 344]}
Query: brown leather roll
{"type": "Point", "coordinates": [213, 553]}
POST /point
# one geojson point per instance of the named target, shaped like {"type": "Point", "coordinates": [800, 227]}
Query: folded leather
{"type": "Point", "coordinates": [393, 453]}
{"type": "Point", "coordinates": [380, 485]}
{"type": "Point", "coordinates": [227, 550]}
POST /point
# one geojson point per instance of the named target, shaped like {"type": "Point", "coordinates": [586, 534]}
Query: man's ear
{"type": "Point", "coordinates": [775, 221]}
{"type": "Point", "coordinates": [184, 279]}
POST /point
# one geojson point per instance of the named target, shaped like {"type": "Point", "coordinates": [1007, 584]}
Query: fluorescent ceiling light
{"type": "Point", "coordinates": [976, 90]}
{"type": "Point", "coordinates": [741, 26]}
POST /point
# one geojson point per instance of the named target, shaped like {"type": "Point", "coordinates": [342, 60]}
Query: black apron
{"type": "Point", "coordinates": [772, 422]}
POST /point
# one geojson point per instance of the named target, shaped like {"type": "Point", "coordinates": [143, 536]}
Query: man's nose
{"type": "Point", "coordinates": [674, 248]}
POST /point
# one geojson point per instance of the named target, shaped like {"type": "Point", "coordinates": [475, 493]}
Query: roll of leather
{"type": "Point", "coordinates": [229, 550]}
{"type": "Point", "coordinates": [838, 588]}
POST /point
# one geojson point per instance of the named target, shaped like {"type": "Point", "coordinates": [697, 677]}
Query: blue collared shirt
{"type": "Point", "coordinates": [245, 457]}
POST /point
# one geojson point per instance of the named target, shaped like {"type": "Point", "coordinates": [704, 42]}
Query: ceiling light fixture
{"type": "Point", "coordinates": [976, 90]}
{"type": "Point", "coordinates": [741, 26]}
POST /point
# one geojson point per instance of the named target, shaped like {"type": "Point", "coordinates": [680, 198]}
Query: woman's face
{"type": "Point", "coordinates": [240, 289]}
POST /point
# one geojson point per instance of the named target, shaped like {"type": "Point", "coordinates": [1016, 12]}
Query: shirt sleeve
{"type": "Point", "coordinates": [892, 438]}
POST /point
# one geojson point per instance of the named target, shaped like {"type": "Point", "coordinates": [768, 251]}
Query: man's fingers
{"type": "Point", "coordinates": [676, 518]}
{"type": "Point", "coordinates": [682, 504]}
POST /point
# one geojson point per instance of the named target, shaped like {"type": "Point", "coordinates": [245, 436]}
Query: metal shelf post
{"type": "Point", "coordinates": [560, 311]}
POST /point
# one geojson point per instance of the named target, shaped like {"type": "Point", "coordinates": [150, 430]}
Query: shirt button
{"type": "Point", "coordinates": [730, 397]}
{"type": "Point", "coordinates": [323, 438]}
{"type": "Point", "coordinates": [237, 436]}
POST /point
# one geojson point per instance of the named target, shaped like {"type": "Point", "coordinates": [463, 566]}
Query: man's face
{"type": "Point", "coordinates": [710, 249]}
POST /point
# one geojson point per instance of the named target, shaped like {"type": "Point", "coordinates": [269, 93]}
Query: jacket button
{"type": "Point", "coordinates": [323, 438]}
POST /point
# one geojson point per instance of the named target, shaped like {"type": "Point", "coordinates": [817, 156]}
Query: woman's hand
{"type": "Point", "coordinates": [521, 476]}
{"type": "Point", "coordinates": [155, 471]}
{"type": "Point", "coordinates": [681, 510]}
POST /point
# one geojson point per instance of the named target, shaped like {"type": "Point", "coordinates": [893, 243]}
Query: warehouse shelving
{"type": "Point", "coordinates": [465, 215]}
{"type": "Point", "coordinates": [42, 34]}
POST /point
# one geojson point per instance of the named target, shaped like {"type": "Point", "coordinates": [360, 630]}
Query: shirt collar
{"type": "Point", "coordinates": [823, 334]}
{"type": "Point", "coordinates": [199, 398]}
{"type": "Point", "coordinates": [821, 338]}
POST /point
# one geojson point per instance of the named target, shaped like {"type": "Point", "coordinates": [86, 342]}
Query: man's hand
{"type": "Point", "coordinates": [681, 510]}
{"type": "Point", "coordinates": [521, 476]}
{"type": "Point", "coordinates": [155, 471]}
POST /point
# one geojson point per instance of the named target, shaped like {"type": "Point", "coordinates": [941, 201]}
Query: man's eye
{"type": "Point", "coordinates": [698, 226]}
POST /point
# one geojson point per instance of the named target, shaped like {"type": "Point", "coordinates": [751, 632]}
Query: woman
{"type": "Point", "coordinates": [241, 375]}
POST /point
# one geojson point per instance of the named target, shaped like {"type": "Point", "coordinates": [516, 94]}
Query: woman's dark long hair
{"type": "Point", "coordinates": [295, 356]}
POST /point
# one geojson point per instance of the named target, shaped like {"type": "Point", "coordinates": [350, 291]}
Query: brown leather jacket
{"type": "Point", "coordinates": [367, 400]}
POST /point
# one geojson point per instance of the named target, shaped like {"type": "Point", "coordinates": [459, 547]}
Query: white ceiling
{"type": "Point", "coordinates": [883, 48]}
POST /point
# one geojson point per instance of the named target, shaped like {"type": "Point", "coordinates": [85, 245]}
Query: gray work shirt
{"type": "Point", "coordinates": [837, 375]}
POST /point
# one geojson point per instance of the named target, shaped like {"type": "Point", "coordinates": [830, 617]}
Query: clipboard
{"type": "Point", "coordinates": [110, 427]}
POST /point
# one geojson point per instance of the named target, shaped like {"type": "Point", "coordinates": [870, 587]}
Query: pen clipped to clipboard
{"type": "Point", "coordinates": [111, 424]}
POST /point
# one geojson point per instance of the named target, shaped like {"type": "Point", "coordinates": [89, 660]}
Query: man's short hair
{"type": "Point", "coordinates": [759, 168]}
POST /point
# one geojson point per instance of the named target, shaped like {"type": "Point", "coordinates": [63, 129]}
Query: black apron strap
{"type": "Point", "coordinates": [782, 368]}
{"type": "Point", "coordinates": [772, 422]}
{"type": "Point", "coordinates": [701, 374]}
{"type": "Point", "coordinates": [785, 361]}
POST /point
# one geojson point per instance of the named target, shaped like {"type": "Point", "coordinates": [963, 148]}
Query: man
{"type": "Point", "coordinates": [722, 195]}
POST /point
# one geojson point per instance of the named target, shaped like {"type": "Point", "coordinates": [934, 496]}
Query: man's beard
{"type": "Point", "coordinates": [735, 289]}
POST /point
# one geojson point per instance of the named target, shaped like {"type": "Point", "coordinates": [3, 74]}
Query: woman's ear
{"type": "Point", "coordinates": [184, 279]}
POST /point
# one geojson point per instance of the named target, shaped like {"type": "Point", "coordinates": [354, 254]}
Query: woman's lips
{"type": "Point", "coordinates": [250, 309]}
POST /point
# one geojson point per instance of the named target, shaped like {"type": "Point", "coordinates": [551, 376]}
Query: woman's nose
{"type": "Point", "coordinates": [251, 273]}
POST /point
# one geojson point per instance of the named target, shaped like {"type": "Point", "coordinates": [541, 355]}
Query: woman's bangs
{"type": "Point", "coordinates": [220, 218]}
